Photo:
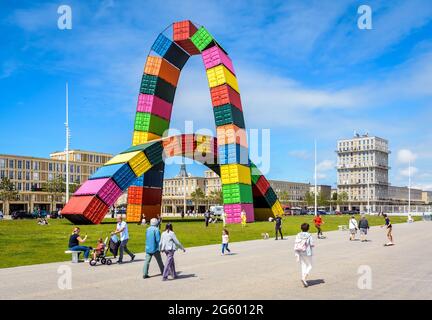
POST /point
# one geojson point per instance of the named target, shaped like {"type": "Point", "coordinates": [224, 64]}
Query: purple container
{"type": "Point", "coordinates": [154, 105]}
{"type": "Point", "coordinates": [106, 189]}
{"type": "Point", "coordinates": [233, 211]}
{"type": "Point", "coordinates": [215, 56]}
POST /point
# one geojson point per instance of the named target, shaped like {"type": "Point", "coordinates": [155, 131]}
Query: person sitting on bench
{"type": "Point", "coordinates": [75, 241]}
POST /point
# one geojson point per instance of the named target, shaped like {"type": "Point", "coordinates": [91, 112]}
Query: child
{"type": "Point", "coordinates": [389, 228]}
{"type": "Point", "coordinates": [100, 247]}
{"type": "Point", "coordinates": [303, 251]}
{"type": "Point", "coordinates": [225, 241]}
{"type": "Point", "coordinates": [243, 219]}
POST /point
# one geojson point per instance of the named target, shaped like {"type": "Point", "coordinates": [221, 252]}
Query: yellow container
{"type": "Point", "coordinates": [235, 173]}
{"type": "Point", "coordinates": [277, 209]}
{"type": "Point", "coordinates": [123, 157]}
{"type": "Point", "coordinates": [140, 137]}
{"type": "Point", "coordinates": [220, 75]}
{"type": "Point", "coordinates": [140, 164]}
{"type": "Point", "coordinates": [134, 213]}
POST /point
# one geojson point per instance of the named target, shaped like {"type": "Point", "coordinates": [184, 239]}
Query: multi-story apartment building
{"type": "Point", "coordinates": [29, 174]}
{"type": "Point", "coordinates": [362, 169]}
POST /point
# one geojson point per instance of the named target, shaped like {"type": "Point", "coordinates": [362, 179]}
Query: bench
{"type": "Point", "coordinates": [343, 228]}
{"type": "Point", "coordinates": [75, 255]}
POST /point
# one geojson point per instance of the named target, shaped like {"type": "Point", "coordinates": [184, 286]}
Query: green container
{"type": "Point", "coordinates": [228, 114]}
{"type": "Point", "coordinates": [147, 122]}
{"type": "Point", "coordinates": [237, 193]}
{"type": "Point", "coordinates": [255, 173]}
{"type": "Point", "coordinates": [202, 38]}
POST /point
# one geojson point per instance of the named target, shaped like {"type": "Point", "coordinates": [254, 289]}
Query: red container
{"type": "Point", "coordinates": [182, 32]}
{"type": "Point", "coordinates": [262, 185]}
{"type": "Point", "coordinates": [152, 196]}
{"type": "Point", "coordinates": [189, 145]}
{"type": "Point", "coordinates": [85, 209]}
{"type": "Point", "coordinates": [151, 211]}
{"type": "Point", "coordinates": [224, 94]}
{"type": "Point", "coordinates": [172, 146]}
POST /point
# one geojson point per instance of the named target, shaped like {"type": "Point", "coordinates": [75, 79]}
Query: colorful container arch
{"type": "Point", "coordinates": [140, 168]}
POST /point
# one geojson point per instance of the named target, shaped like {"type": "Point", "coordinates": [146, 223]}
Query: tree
{"type": "Point", "coordinates": [216, 197]}
{"type": "Point", "coordinates": [197, 196]}
{"type": "Point", "coordinates": [57, 187]}
{"type": "Point", "coordinates": [7, 193]}
{"type": "Point", "coordinates": [310, 198]}
{"type": "Point", "coordinates": [322, 200]}
{"type": "Point", "coordinates": [342, 198]}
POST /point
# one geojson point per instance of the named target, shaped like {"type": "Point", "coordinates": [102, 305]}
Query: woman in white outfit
{"type": "Point", "coordinates": [303, 252]}
{"type": "Point", "coordinates": [353, 227]}
{"type": "Point", "coordinates": [169, 244]}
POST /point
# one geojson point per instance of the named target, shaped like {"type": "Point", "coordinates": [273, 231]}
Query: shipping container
{"type": "Point", "coordinates": [277, 209]}
{"type": "Point", "coordinates": [123, 157]}
{"type": "Point", "coordinates": [161, 68]}
{"type": "Point", "coordinates": [170, 51]}
{"type": "Point", "coordinates": [229, 133]}
{"type": "Point", "coordinates": [148, 122]}
{"type": "Point", "coordinates": [235, 210]}
{"type": "Point", "coordinates": [152, 196]}
{"type": "Point", "coordinates": [134, 213]}
{"type": "Point", "coordinates": [151, 211]}
{"type": "Point", "coordinates": [235, 173]}
{"type": "Point", "coordinates": [155, 105]}
{"type": "Point", "coordinates": [255, 173]}
{"type": "Point", "coordinates": [153, 85]}
{"type": "Point", "coordinates": [135, 195]}
{"type": "Point", "coordinates": [237, 193]}
{"type": "Point", "coordinates": [271, 196]}
{"type": "Point", "coordinates": [258, 199]}
{"type": "Point", "coordinates": [220, 75]}
{"type": "Point", "coordinates": [85, 210]}
{"type": "Point", "coordinates": [214, 56]}
{"type": "Point", "coordinates": [121, 173]}
{"type": "Point", "coordinates": [263, 185]}
{"type": "Point", "coordinates": [140, 164]}
{"type": "Point", "coordinates": [182, 32]}
{"type": "Point", "coordinates": [141, 137]}
{"type": "Point", "coordinates": [224, 94]}
{"type": "Point", "coordinates": [233, 153]}
{"type": "Point", "coordinates": [228, 114]}
{"type": "Point", "coordinates": [138, 181]}
{"type": "Point", "coordinates": [153, 178]}
{"type": "Point", "coordinates": [263, 214]}
{"type": "Point", "coordinates": [106, 189]}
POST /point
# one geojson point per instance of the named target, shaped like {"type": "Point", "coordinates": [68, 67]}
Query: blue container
{"type": "Point", "coordinates": [139, 182]}
{"type": "Point", "coordinates": [233, 153]}
{"type": "Point", "coordinates": [121, 173]}
{"type": "Point", "coordinates": [170, 51]}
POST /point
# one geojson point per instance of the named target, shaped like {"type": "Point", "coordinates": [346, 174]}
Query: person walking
{"type": "Point", "coordinates": [225, 241]}
{"type": "Point", "coordinates": [278, 227]}
{"type": "Point", "coordinates": [389, 229]}
{"type": "Point", "coordinates": [207, 217]}
{"type": "Point", "coordinates": [318, 221]}
{"type": "Point", "coordinates": [122, 230]}
{"type": "Point", "coordinates": [364, 227]}
{"type": "Point", "coordinates": [353, 227]}
{"type": "Point", "coordinates": [303, 252]}
{"type": "Point", "coordinates": [75, 242]}
{"type": "Point", "coordinates": [152, 247]}
{"type": "Point", "coordinates": [243, 218]}
{"type": "Point", "coordinates": [169, 244]}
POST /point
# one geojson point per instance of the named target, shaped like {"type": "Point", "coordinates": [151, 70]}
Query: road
{"type": "Point", "coordinates": [259, 269]}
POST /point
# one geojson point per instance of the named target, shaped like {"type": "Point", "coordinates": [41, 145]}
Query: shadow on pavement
{"type": "Point", "coordinates": [315, 282]}
{"type": "Point", "coordinates": [185, 276]}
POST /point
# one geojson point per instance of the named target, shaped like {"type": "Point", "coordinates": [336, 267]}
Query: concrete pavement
{"type": "Point", "coordinates": [260, 269]}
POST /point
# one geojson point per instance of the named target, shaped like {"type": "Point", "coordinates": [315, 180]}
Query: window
{"type": "Point", "coordinates": [36, 176]}
{"type": "Point", "coordinates": [2, 163]}
{"type": "Point", "coordinates": [11, 164]}
{"type": "Point", "coordinates": [11, 175]}
{"type": "Point", "coordinates": [19, 175]}
{"type": "Point", "coordinates": [19, 162]}
{"type": "Point", "coordinates": [50, 167]}
{"type": "Point", "coordinates": [27, 165]}
{"type": "Point", "coordinates": [27, 175]}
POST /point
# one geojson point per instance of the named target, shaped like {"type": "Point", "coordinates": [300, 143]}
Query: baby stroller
{"type": "Point", "coordinates": [114, 245]}
{"type": "Point", "coordinates": [102, 256]}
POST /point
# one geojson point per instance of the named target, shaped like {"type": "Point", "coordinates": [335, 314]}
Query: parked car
{"type": "Point", "coordinates": [216, 210]}
{"type": "Point", "coordinates": [21, 214]}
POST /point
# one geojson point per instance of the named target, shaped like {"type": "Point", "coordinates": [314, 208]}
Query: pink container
{"type": "Point", "coordinates": [154, 105]}
{"type": "Point", "coordinates": [215, 56]}
{"type": "Point", "coordinates": [106, 189]}
{"type": "Point", "coordinates": [233, 211]}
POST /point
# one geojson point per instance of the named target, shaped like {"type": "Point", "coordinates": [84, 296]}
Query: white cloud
{"type": "Point", "coordinates": [325, 165]}
{"type": "Point", "coordinates": [406, 172]}
{"type": "Point", "coordinates": [406, 156]}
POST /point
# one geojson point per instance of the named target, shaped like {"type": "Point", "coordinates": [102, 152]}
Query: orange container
{"type": "Point", "coordinates": [158, 66]}
{"type": "Point", "coordinates": [151, 211]}
{"type": "Point", "coordinates": [182, 32]}
{"type": "Point", "coordinates": [135, 195]}
{"type": "Point", "coordinates": [230, 133]}
{"type": "Point", "coordinates": [134, 213]}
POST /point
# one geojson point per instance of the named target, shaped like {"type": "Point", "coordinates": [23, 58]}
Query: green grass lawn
{"type": "Point", "coordinates": [24, 242]}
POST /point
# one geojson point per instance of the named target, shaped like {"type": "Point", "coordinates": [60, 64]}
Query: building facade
{"type": "Point", "coordinates": [296, 191]}
{"type": "Point", "coordinates": [29, 174]}
{"type": "Point", "coordinates": [362, 171]}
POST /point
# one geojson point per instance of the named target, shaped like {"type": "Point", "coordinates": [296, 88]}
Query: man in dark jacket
{"type": "Point", "coordinates": [278, 227]}
{"type": "Point", "coordinates": [363, 226]}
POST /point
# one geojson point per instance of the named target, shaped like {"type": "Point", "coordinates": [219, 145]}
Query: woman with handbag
{"type": "Point", "coordinates": [303, 251]}
{"type": "Point", "coordinates": [169, 244]}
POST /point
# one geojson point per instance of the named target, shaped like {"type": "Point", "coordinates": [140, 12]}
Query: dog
{"type": "Point", "coordinates": [265, 236]}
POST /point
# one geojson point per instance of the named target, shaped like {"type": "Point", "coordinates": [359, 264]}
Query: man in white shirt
{"type": "Point", "coordinates": [122, 229]}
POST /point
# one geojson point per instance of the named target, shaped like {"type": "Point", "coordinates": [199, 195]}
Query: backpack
{"type": "Point", "coordinates": [301, 245]}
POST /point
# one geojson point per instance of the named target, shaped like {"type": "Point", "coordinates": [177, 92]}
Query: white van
{"type": "Point", "coordinates": [217, 210]}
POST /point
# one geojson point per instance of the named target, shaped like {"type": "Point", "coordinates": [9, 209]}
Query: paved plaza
{"type": "Point", "coordinates": [260, 269]}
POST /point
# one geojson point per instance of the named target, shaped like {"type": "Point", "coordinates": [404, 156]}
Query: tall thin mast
{"type": "Point", "coordinates": [315, 176]}
{"type": "Point", "coordinates": [67, 144]}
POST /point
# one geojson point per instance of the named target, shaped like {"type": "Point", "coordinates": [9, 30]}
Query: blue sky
{"type": "Point", "coordinates": [304, 68]}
